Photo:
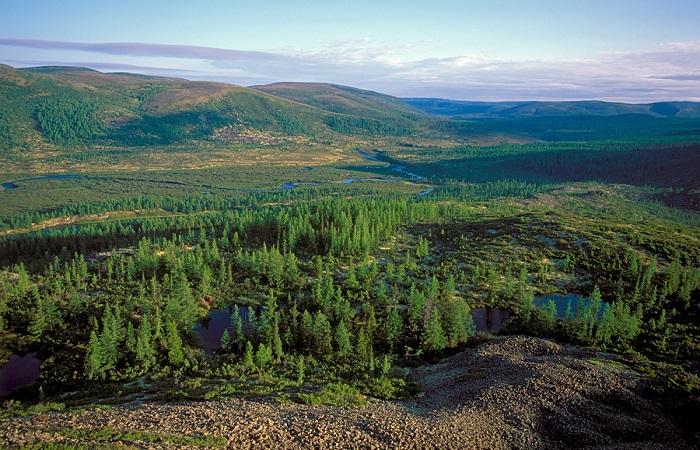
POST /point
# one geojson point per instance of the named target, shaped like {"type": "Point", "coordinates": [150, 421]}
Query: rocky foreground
{"type": "Point", "coordinates": [514, 392]}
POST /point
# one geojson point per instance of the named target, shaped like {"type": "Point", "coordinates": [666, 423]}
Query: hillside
{"type": "Point", "coordinates": [53, 108]}
{"type": "Point", "coordinates": [514, 392]}
{"type": "Point", "coordinates": [469, 109]}
{"type": "Point", "coordinates": [67, 106]}
{"type": "Point", "coordinates": [343, 99]}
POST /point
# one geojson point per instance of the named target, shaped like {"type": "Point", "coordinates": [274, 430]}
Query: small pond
{"type": "Point", "coordinates": [563, 301]}
{"type": "Point", "coordinates": [490, 320]}
{"type": "Point", "coordinates": [18, 371]}
{"type": "Point", "coordinates": [212, 327]}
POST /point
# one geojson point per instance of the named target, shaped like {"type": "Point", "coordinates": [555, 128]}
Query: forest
{"type": "Point", "coordinates": [318, 245]}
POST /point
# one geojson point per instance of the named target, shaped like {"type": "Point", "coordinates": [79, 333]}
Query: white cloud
{"type": "Point", "coordinates": [668, 71]}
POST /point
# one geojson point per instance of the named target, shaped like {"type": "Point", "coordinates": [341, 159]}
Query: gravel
{"type": "Point", "coordinates": [513, 392]}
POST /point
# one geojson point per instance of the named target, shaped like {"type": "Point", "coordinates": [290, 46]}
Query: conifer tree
{"type": "Point", "coordinates": [225, 341]}
{"type": "Point", "coordinates": [263, 356]}
{"type": "Point", "coordinates": [145, 352]}
{"type": "Point", "coordinates": [95, 358]}
{"type": "Point", "coordinates": [248, 360]}
{"type": "Point", "coordinates": [433, 338]}
{"type": "Point", "coordinates": [237, 328]}
{"type": "Point", "coordinates": [322, 335]}
{"type": "Point", "coordinates": [393, 328]}
{"type": "Point", "coordinates": [176, 355]}
{"type": "Point", "coordinates": [342, 340]}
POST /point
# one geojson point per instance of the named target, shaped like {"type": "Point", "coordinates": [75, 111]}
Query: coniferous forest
{"type": "Point", "coordinates": [265, 244]}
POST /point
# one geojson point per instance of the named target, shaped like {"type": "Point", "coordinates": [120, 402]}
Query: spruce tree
{"type": "Point", "coordinates": [145, 352]}
{"type": "Point", "coordinates": [176, 355]}
{"type": "Point", "coordinates": [248, 361]}
{"type": "Point", "coordinates": [342, 340]}
{"type": "Point", "coordinates": [393, 328]}
{"type": "Point", "coordinates": [433, 338]}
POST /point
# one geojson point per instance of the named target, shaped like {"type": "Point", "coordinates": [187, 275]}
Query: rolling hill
{"type": "Point", "coordinates": [72, 107]}
{"type": "Point", "coordinates": [343, 100]}
{"type": "Point", "coordinates": [469, 109]}
{"type": "Point", "coordinates": [64, 106]}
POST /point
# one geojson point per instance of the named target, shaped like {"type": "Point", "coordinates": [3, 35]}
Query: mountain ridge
{"type": "Point", "coordinates": [517, 109]}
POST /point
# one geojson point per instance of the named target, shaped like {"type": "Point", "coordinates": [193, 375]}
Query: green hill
{"type": "Point", "coordinates": [343, 99]}
{"type": "Point", "coordinates": [468, 109]}
{"type": "Point", "coordinates": [64, 106]}
{"type": "Point", "coordinates": [354, 110]}
{"type": "Point", "coordinates": [45, 108]}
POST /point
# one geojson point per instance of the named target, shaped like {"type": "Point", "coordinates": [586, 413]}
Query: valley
{"type": "Point", "coordinates": [196, 264]}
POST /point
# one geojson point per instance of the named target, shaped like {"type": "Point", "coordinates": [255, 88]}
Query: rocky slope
{"type": "Point", "coordinates": [514, 392]}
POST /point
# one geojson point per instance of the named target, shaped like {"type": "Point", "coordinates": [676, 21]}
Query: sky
{"type": "Point", "coordinates": [616, 50]}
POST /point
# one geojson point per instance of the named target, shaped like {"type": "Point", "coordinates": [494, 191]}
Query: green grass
{"type": "Point", "coordinates": [334, 394]}
{"type": "Point", "coordinates": [13, 408]}
{"type": "Point", "coordinates": [107, 435]}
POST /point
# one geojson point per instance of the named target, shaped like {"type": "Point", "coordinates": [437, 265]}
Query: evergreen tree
{"type": "Point", "coordinates": [237, 328]}
{"type": "Point", "coordinates": [225, 341]}
{"type": "Point", "coordinates": [322, 336]}
{"type": "Point", "coordinates": [263, 356]}
{"type": "Point", "coordinates": [145, 352]}
{"type": "Point", "coordinates": [176, 355]}
{"type": "Point", "coordinates": [393, 328]}
{"type": "Point", "coordinates": [277, 341]}
{"type": "Point", "coordinates": [433, 338]}
{"type": "Point", "coordinates": [363, 349]}
{"type": "Point", "coordinates": [248, 361]}
{"type": "Point", "coordinates": [342, 340]}
{"type": "Point", "coordinates": [459, 324]}
{"type": "Point", "coordinates": [95, 358]}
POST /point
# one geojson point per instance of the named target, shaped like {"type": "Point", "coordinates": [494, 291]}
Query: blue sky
{"type": "Point", "coordinates": [488, 50]}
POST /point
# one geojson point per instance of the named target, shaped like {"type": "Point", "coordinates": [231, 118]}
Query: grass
{"type": "Point", "coordinates": [334, 394]}
{"type": "Point", "coordinates": [13, 408]}
{"type": "Point", "coordinates": [108, 435]}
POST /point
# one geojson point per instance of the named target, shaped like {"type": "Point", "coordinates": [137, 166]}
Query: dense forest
{"type": "Point", "coordinates": [311, 287]}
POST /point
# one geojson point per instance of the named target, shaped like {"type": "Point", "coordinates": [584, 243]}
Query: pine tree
{"type": "Point", "coordinates": [263, 356]}
{"type": "Point", "coordinates": [267, 318]}
{"type": "Point", "coordinates": [46, 316]}
{"type": "Point", "coordinates": [433, 338]}
{"type": "Point", "coordinates": [393, 328]}
{"type": "Point", "coordinates": [322, 335]}
{"type": "Point", "coordinates": [145, 353]}
{"type": "Point", "coordinates": [225, 341]}
{"type": "Point", "coordinates": [307, 331]}
{"type": "Point", "coordinates": [459, 324]}
{"type": "Point", "coordinates": [176, 355]}
{"type": "Point", "coordinates": [416, 306]}
{"type": "Point", "coordinates": [364, 350]}
{"type": "Point", "coordinates": [130, 341]}
{"type": "Point", "coordinates": [605, 328]}
{"type": "Point", "coordinates": [549, 316]}
{"type": "Point", "coordinates": [342, 340]}
{"type": "Point", "coordinates": [248, 361]}
{"type": "Point", "coordinates": [277, 341]}
{"type": "Point", "coordinates": [95, 358]}
{"type": "Point", "coordinates": [237, 328]}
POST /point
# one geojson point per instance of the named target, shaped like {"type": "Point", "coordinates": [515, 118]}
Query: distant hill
{"type": "Point", "coordinates": [71, 105]}
{"type": "Point", "coordinates": [48, 107]}
{"type": "Point", "coordinates": [468, 109]}
{"type": "Point", "coordinates": [343, 99]}
{"type": "Point", "coordinates": [379, 112]}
